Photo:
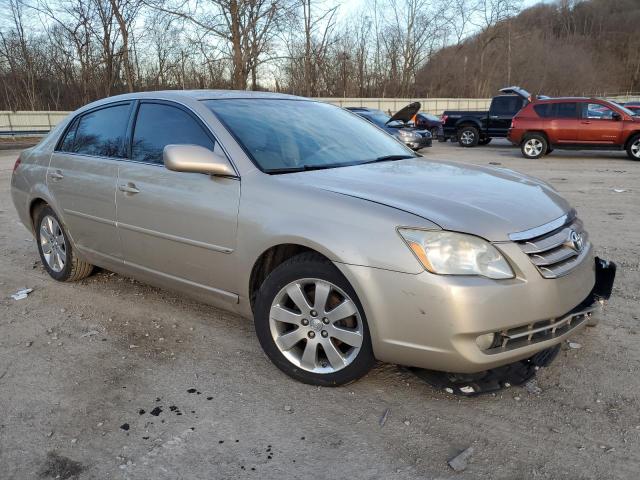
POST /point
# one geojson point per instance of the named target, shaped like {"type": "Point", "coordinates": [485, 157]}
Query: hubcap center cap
{"type": "Point", "coordinates": [316, 324]}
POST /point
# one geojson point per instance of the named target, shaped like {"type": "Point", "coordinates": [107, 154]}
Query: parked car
{"type": "Point", "coordinates": [345, 246]}
{"type": "Point", "coordinates": [633, 106]}
{"type": "Point", "coordinates": [429, 122]}
{"type": "Point", "coordinates": [471, 128]}
{"type": "Point", "coordinates": [398, 125]}
{"type": "Point", "coordinates": [575, 123]}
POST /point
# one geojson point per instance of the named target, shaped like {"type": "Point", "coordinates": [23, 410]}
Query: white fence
{"type": "Point", "coordinates": [23, 123]}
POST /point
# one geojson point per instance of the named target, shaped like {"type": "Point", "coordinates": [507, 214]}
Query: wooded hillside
{"type": "Point", "coordinates": [570, 48]}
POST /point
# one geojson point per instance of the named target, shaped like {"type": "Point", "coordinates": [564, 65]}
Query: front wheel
{"type": "Point", "coordinates": [534, 146]}
{"type": "Point", "coordinates": [468, 136]}
{"type": "Point", "coordinates": [311, 324]}
{"type": "Point", "coordinates": [633, 147]}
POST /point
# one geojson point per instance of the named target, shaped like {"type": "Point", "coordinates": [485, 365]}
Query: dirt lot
{"type": "Point", "coordinates": [83, 366]}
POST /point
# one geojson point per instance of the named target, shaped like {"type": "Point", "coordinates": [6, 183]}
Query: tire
{"type": "Point", "coordinates": [549, 150]}
{"type": "Point", "coordinates": [434, 133]}
{"type": "Point", "coordinates": [56, 251]}
{"type": "Point", "coordinates": [534, 145]}
{"type": "Point", "coordinates": [633, 147]}
{"type": "Point", "coordinates": [484, 141]}
{"type": "Point", "coordinates": [276, 315]}
{"type": "Point", "coordinates": [468, 136]}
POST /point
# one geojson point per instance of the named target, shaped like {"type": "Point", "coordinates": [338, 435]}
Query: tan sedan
{"type": "Point", "coordinates": [342, 244]}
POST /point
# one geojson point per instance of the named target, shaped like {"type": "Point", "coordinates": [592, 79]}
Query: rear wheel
{"type": "Point", "coordinates": [468, 136]}
{"type": "Point", "coordinates": [310, 323]}
{"type": "Point", "coordinates": [633, 147]}
{"type": "Point", "coordinates": [56, 252]}
{"type": "Point", "coordinates": [534, 146]}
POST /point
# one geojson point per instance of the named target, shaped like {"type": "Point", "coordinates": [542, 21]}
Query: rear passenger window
{"type": "Point", "coordinates": [506, 105]}
{"type": "Point", "coordinates": [67, 143]}
{"type": "Point", "coordinates": [101, 132]}
{"type": "Point", "coordinates": [557, 110]}
{"type": "Point", "coordinates": [158, 125]}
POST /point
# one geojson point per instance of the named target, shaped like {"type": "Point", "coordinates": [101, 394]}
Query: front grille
{"type": "Point", "coordinates": [556, 252]}
{"type": "Point", "coordinates": [545, 329]}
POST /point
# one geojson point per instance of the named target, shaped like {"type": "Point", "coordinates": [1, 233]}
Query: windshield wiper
{"type": "Point", "coordinates": [305, 168]}
{"type": "Point", "coordinates": [389, 158]}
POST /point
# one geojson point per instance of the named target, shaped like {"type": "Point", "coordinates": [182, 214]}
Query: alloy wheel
{"type": "Point", "coordinates": [467, 137]}
{"type": "Point", "coordinates": [635, 148]}
{"type": "Point", "coordinates": [316, 326]}
{"type": "Point", "coordinates": [53, 244]}
{"type": "Point", "coordinates": [533, 147]}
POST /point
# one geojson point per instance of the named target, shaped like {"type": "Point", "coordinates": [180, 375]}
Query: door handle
{"type": "Point", "coordinates": [129, 188]}
{"type": "Point", "coordinates": [586, 122]}
{"type": "Point", "coordinates": [494, 117]}
{"type": "Point", "coordinates": [56, 175]}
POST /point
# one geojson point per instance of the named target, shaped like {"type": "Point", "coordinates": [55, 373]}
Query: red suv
{"type": "Point", "coordinates": [575, 123]}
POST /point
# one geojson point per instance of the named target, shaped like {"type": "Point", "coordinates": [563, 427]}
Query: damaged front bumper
{"type": "Point", "coordinates": [587, 312]}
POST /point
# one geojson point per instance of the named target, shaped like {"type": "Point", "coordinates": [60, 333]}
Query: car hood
{"type": "Point", "coordinates": [488, 202]}
{"type": "Point", "coordinates": [405, 114]}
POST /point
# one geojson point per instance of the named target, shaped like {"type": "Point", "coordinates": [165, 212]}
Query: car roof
{"type": "Point", "coordinates": [182, 96]}
{"type": "Point", "coordinates": [569, 99]}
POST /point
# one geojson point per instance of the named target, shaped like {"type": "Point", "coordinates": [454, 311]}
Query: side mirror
{"type": "Point", "coordinates": [196, 159]}
{"type": "Point", "coordinates": [616, 116]}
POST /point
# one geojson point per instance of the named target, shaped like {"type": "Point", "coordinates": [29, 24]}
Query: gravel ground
{"type": "Point", "coordinates": [111, 378]}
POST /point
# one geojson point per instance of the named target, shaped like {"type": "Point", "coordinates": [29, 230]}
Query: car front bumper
{"type": "Point", "coordinates": [418, 143]}
{"type": "Point", "coordinates": [433, 321]}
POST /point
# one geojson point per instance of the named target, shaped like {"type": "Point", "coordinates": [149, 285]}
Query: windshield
{"type": "Point", "coordinates": [290, 135]}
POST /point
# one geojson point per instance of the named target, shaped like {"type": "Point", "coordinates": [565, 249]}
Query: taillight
{"type": "Point", "coordinates": [443, 118]}
{"type": "Point", "coordinates": [16, 165]}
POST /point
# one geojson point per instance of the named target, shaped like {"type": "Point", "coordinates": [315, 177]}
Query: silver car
{"type": "Point", "coordinates": [341, 251]}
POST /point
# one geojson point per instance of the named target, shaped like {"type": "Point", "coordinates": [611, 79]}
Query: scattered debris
{"type": "Point", "coordinates": [141, 411]}
{"type": "Point", "coordinates": [619, 190]}
{"type": "Point", "coordinates": [90, 333]}
{"type": "Point", "coordinates": [125, 427]}
{"type": "Point", "coordinates": [467, 389]}
{"type": "Point", "coordinates": [133, 346]}
{"type": "Point", "coordinates": [29, 343]}
{"type": "Point", "coordinates": [407, 422]}
{"type": "Point", "coordinates": [460, 461]}
{"type": "Point", "coordinates": [21, 294]}
{"type": "Point", "coordinates": [74, 440]}
{"type": "Point", "coordinates": [448, 390]}
{"type": "Point", "coordinates": [192, 390]}
{"type": "Point", "coordinates": [287, 408]}
{"type": "Point", "coordinates": [532, 387]}
{"type": "Point", "coordinates": [495, 163]}
{"type": "Point", "coordinates": [574, 345]}
{"type": "Point", "coordinates": [156, 411]}
{"type": "Point", "coordinates": [384, 417]}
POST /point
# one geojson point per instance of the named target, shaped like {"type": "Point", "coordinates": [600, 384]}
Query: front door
{"type": "Point", "coordinates": [181, 226]}
{"type": "Point", "coordinates": [598, 125]}
{"type": "Point", "coordinates": [82, 177]}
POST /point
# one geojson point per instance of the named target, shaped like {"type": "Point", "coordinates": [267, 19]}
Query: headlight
{"type": "Point", "coordinates": [450, 253]}
{"type": "Point", "coordinates": [407, 134]}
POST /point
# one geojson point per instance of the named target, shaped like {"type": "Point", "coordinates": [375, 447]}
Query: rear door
{"type": "Point", "coordinates": [562, 121]}
{"type": "Point", "coordinates": [598, 125]}
{"type": "Point", "coordinates": [501, 113]}
{"type": "Point", "coordinates": [176, 225]}
{"type": "Point", "coordinates": [82, 177]}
